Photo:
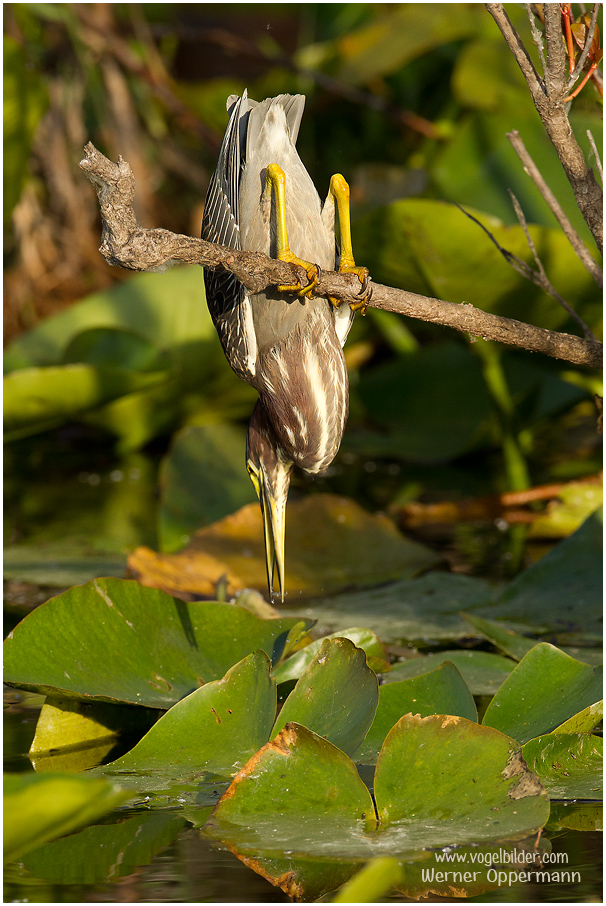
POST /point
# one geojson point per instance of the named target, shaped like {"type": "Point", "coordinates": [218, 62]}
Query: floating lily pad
{"type": "Point", "coordinates": [576, 502]}
{"type": "Point", "coordinates": [440, 781]}
{"type": "Point", "coordinates": [482, 671]}
{"type": "Point", "coordinates": [516, 645]}
{"type": "Point", "coordinates": [546, 688]}
{"type": "Point", "coordinates": [424, 609]}
{"type": "Point", "coordinates": [563, 590]}
{"type": "Point", "coordinates": [447, 779]}
{"type": "Point", "coordinates": [68, 723]}
{"type": "Point", "coordinates": [336, 696]}
{"type": "Point", "coordinates": [376, 656]}
{"type": "Point", "coordinates": [105, 852]}
{"type": "Point", "coordinates": [441, 691]}
{"type": "Point", "coordinates": [59, 565]}
{"type": "Point", "coordinates": [331, 544]}
{"type": "Point", "coordinates": [39, 808]}
{"type": "Point", "coordinates": [216, 729]}
{"type": "Point", "coordinates": [512, 643]}
{"type": "Point", "coordinates": [114, 640]}
{"type": "Point", "coordinates": [583, 722]}
{"type": "Point", "coordinates": [578, 816]}
{"type": "Point", "coordinates": [569, 765]}
{"type": "Point", "coordinates": [298, 793]}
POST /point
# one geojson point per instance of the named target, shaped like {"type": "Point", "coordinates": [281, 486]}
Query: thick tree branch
{"type": "Point", "coordinates": [128, 245]}
{"type": "Point", "coordinates": [549, 98]}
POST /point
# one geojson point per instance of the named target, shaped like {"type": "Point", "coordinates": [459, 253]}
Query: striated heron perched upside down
{"type": "Point", "coordinates": [283, 341]}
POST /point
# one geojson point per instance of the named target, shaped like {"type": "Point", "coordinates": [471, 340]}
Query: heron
{"type": "Point", "coordinates": [285, 342]}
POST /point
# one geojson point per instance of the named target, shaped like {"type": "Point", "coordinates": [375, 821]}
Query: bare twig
{"type": "Point", "coordinates": [126, 244]}
{"type": "Point", "coordinates": [514, 42]}
{"type": "Point", "coordinates": [536, 35]}
{"type": "Point", "coordinates": [543, 280]}
{"type": "Point", "coordinates": [596, 154]}
{"type": "Point", "coordinates": [554, 205]}
{"type": "Point", "coordinates": [549, 99]}
{"type": "Point", "coordinates": [538, 277]}
{"type": "Point", "coordinates": [580, 65]}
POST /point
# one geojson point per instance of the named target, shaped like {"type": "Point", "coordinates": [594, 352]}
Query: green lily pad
{"type": "Point", "coordinates": [516, 645]}
{"type": "Point", "coordinates": [512, 643]}
{"type": "Point", "coordinates": [442, 691]}
{"type": "Point", "coordinates": [576, 502]}
{"type": "Point", "coordinates": [298, 786]}
{"type": "Point", "coordinates": [105, 852]}
{"type": "Point", "coordinates": [546, 688]}
{"type": "Point", "coordinates": [440, 781]}
{"type": "Point", "coordinates": [216, 729]}
{"type": "Point", "coordinates": [114, 640]}
{"type": "Point", "coordinates": [336, 696]}
{"type": "Point", "coordinates": [59, 565]}
{"type": "Point", "coordinates": [579, 816]}
{"type": "Point", "coordinates": [563, 589]}
{"type": "Point", "coordinates": [583, 722]}
{"type": "Point", "coordinates": [67, 723]}
{"type": "Point", "coordinates": [448, 779]}
{"type": "Point", "coordinates": [482, 671]}
{"type": "Point", "coordinates": [39, 808]}
{"type": "Point", "coordinates": [376, 656]}
{"type": "Point", "coordinates": [569, 765]}
{"type": "Point", "coordinates": [424, 609]}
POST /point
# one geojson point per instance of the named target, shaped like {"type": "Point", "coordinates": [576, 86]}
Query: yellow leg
{"type": "Point", "coordinates": [276, 180]}
{"type": "Point", "coordinates": [339, 189]}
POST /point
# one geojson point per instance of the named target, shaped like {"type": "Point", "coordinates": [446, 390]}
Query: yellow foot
{"type": "Point", "coordinates": [339, 189]}
{"type": "Point", "coordinates": [275, 181]}
{"type": "Point", "coordinates": [312, 271]}
{"type": "Point", "coordinates": [363, 276]}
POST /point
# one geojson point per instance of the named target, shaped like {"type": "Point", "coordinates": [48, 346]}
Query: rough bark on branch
{"type": "Point", "coordinates": [128, 245]}
{"type": "Point", "coordinates": [549, 96]}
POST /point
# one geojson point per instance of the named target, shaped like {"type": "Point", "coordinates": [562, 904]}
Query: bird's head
{"type": "Point", "coordinates": [270, 474]}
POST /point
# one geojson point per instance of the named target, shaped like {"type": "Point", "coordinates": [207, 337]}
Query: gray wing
{"type": "Point", "coordinates": [225, 295]}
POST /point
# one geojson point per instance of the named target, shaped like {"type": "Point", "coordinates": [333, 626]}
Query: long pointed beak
{"type": "Point", "coordinates": [273, 492]}
{"type": "Point", "coordinates": [273, 510]}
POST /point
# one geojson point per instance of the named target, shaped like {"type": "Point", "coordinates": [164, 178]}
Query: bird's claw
{"type": "Point", "coordinates": [313, 275]}
{"type": "Point", "coordinates": [363, 275]}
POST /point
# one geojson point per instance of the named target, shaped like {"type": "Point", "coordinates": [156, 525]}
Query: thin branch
{"type": "Point", "coordinates": [578, 69]}
{"type": "Point", "coordinates": [514, 42]}
{"type": "Point", "coordinates": [537, 37]}
{"type": "Point", "coordinates": [544, 279]}
{"type": "Point", "coordinates": [128, 245]}
{"type": "Point", "coordinates": [556, 208]}
{"type": "Point", "coordinates": [538, 277]}
{"type": "Point", "coordinates": [598, 161]}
